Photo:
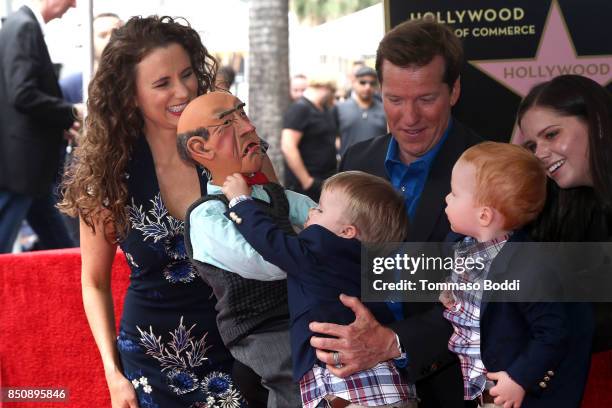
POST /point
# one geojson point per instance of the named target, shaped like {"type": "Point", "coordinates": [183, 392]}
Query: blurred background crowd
{"type": "Point", "coordinates": [331, 87]}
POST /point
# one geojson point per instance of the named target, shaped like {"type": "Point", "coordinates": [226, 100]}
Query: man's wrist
{"type": "Point", "coordinates": [400, 361]}
{"type": "Point", "coordinates": [239, 199]}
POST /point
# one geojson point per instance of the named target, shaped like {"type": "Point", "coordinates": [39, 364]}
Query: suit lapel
{"type": "Point", "coordinates": [501, 264]}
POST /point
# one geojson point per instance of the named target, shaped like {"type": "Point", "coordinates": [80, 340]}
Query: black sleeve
{"type": "Point", "coordinates": [296, 117]}
{"type": "Point", "coordinates": [22, 66]}
{"type": "Point", "coordinates": [424, 338]}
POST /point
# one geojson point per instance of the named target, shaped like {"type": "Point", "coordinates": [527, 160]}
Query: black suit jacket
{"type": "Point", "coordinates": [424, 333]}
{"type": "Point", "coordinates": [33, 114]}
{"type": "Point", "coordinates": [543, 346]}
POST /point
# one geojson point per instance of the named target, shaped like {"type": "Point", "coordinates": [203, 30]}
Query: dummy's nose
{"type": "Point", "coordinates": [245, 126]}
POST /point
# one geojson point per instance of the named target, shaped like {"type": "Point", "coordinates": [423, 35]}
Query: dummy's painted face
{"type": "Point", "coordinates": [233, 144]}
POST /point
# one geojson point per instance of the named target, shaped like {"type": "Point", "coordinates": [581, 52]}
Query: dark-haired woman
{"type": "Point", "coordinates": [127, 181]}
{"type": "Point", "coordinates": [567, 123]}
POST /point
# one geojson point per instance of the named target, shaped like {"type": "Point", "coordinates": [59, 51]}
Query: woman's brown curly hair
{"type": "Point", "coordinates": [96, 179]}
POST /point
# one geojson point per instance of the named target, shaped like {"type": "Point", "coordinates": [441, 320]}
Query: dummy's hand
{"type": "Point", "coordinates": [361, 345]}
{"type": "Point", "coordinates": [235, 186]}
{"type": "Point", "coordinates": [122, 391]}
{"type": "Point", "coordinates": [507, 392]}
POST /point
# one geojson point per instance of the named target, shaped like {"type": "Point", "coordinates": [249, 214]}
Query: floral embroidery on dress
{"type": "Point", "coordinates": [220, 392]}
{"type": "Point", "coordinates": [125, 343]}
{"type": "Point", "coordinates": [164, 229]}
{"type": "Point", "coordinates": [135, 269]}
{"type": "Point", "coordinates": [178, 357]}
{"type": "Point", "coordinates": [143, 390]}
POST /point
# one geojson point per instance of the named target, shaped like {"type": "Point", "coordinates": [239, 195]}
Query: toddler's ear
{"type": "Point", "coordinates": [349, 231]}
{"type": "Point", "coordinates": [485, 216]}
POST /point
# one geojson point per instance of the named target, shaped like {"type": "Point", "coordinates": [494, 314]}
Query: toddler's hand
{"type": "Point", "coordinates": [507, 392]}
{"type": "Point", "coordinates": [235, 186]}
{"type": "Point", "coordinates": [447, 299]}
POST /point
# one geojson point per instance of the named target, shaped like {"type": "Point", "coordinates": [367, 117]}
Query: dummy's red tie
{"type": "Point", "coordinates": [255, 178]}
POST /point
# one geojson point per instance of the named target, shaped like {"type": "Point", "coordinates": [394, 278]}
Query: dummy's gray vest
{"type": "Point", "coordinates": [244, 304]}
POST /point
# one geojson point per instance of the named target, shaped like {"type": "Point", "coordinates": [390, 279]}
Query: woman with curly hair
{"type": "Point", "coordinates": [130, 188]}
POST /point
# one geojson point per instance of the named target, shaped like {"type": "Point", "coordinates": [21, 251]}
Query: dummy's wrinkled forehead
{"type": "Point", "coordinates": [208, 110]}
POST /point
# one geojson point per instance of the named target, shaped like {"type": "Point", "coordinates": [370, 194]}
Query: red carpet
{"type": "Point", "coordinates": [45, 340]}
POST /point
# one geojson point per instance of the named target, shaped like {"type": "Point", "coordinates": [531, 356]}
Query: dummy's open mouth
{"type": "Point", "coordinates": [251, 147]}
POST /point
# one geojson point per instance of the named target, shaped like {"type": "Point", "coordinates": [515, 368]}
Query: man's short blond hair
{"type": "Point", "coordinates": [375, 208]}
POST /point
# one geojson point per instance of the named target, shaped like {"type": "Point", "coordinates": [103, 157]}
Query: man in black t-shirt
{"type": "Point", "coordinates": [307, 140]}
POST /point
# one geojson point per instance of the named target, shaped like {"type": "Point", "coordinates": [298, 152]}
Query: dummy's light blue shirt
{"type": "Point", "coordinates": [410, 180]}
{"type": "Point", "coordinates": [216, 241]}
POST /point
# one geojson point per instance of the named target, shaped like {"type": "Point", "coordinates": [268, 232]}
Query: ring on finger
{"type": "Point", "coordinates": [336, 357]}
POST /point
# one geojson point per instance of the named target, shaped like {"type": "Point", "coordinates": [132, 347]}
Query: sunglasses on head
{"type": "Point", "coordinates": [363, 82]}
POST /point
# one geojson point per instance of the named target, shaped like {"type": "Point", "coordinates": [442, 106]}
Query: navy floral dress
{"type": "Point", "coordinates": [168, 341]}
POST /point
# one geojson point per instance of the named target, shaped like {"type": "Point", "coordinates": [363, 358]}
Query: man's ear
{"type": "Point", "coordinates": [196, 147]}
{"type": "Point", "coordinates": [455, 91]}
{"type": "Point", "coordinates": [349, 231]}
{"type": "Point", "coordinates": [486, 216]}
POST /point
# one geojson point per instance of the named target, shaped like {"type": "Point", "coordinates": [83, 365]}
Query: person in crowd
{"type": "Point", "coordinates": [215, 132]}
{"type": "Point", "coordinates": [522, 348]}
{"type": "Point", "coordinates": [567, 123]}
{"type": "Point", "coordinates": [308, 139]}
{"type": "Point", "coordinates": [418, 65]}
{"type": "Point", "coordinates": [350, 77]}
{"type": "Point", "coordinates": [103, 25]}
{"type": "Point", "coordinates": [72, 91]}
{"type": "Point", "coordinates": [35, 119]}
{"type": "Point", "coordinates": [362, 116]}
{"type": "Point", "coordinates": [321, 262]}
{"type": "Point", "coordinates": [130, 188]}
{"type": "Point", "coordinates": [298, 85]}
{"type": "Point", "coordinates": [225, 77]}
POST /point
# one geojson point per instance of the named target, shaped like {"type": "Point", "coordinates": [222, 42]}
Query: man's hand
{"type": "Point", "coordinates": [507, 392]}
{"type": "Point", "coordinates": [73, 134]}
{"type": "Point", "coordinates": [235, 186]}
{"type": "Point", "coordinates": [78, 111]}
{"type": "Point", "coordinates": [360, 345]}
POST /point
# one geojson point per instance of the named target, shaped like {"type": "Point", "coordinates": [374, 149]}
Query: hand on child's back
{"type": "Point", "coordinates": [235, 186]}
{"type": "Point", "coordinates": [507, 392]}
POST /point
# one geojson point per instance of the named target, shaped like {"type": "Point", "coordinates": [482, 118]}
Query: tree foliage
{"type": "Point", "coordinates": [319, 11]}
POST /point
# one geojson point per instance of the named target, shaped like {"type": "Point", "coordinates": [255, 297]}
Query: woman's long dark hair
{"type": "Point", "coordinates": [96, 182]}
{"type": "Point", "coordinates": [572, 214]}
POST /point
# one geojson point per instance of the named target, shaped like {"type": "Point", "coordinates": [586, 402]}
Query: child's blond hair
{"type": "Point", "coordinates": [375, 208]}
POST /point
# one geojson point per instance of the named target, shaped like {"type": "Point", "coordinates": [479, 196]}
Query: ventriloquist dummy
{"type": "Point", "coordinates": [215, 132]}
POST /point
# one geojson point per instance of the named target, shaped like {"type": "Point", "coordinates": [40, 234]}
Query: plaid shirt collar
{"type": "Point", "coordinates": [469, 246]}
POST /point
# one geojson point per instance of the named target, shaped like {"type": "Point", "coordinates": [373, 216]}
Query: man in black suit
{"type": "Point", "coordinates": [33, 115]}
{"type": "Point", "coordinates": [418, 65]}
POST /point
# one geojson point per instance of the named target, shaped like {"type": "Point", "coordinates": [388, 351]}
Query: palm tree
{"type": "Point", "coordinates": [269, 72]}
